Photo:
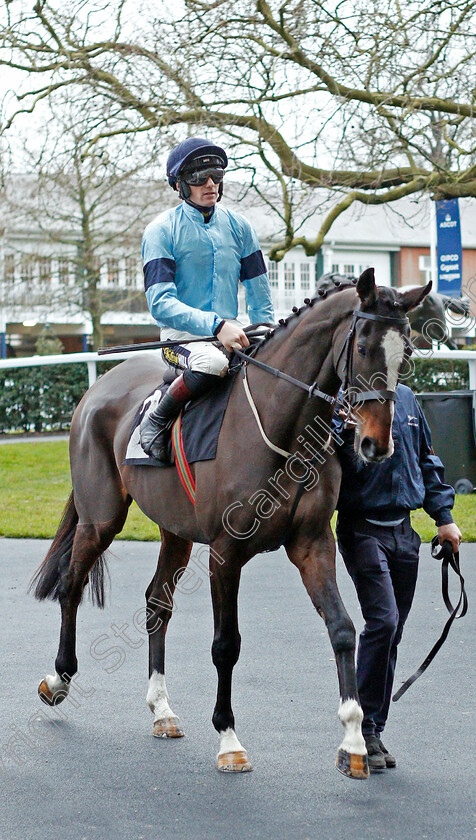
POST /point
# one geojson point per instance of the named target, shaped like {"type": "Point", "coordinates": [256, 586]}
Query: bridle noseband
{"type": "Point", "coordinates": [347, 352]}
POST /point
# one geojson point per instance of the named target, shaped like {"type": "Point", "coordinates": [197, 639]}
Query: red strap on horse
{"type": "Point", "coordinates": [183, 467]}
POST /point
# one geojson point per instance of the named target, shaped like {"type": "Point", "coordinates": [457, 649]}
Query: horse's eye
{"type": "Point", "coordinates": [362, 350]}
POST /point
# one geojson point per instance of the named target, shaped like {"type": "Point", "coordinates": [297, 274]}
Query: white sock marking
{"type": "Point", "coordinates": [55, 683]}
{"type": "Point", "coordinates": [157, 697]}
{"type": "Point", "coordinates": [229, 742]}
{"type": "Point", "coordinates": [351, 716]}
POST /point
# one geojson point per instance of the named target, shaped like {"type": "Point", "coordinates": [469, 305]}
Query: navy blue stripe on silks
{"type": "Point", "coordinates": [252, 266]}
{"type": "Point", "coordinates": [161, 270]}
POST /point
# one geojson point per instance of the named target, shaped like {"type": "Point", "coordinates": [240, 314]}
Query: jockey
{"type": "Point", "coordinates": [194, 257]}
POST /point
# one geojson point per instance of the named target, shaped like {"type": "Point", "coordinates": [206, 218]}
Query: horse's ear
{"type": "Point", "coordinates": [366, 288]}
{"type": "Point", "coordinates": [408, 300]}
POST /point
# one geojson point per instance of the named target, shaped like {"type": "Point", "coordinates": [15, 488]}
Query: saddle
{"type": "Point", "coordinates": [200, 423]}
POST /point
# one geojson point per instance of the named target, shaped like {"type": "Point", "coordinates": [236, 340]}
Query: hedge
{"type": "Point", "coordinates": [40, 399]}
{"type": "Point", "coordinates": [437, 375]}
{"type": "Point", "coordinates": [43, 398]}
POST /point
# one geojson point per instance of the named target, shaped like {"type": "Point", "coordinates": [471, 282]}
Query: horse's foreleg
{"type": "Point", "coordinates": [173, 559]}
{"type": "Point", "coordinates": [225, 581]}
{"type": "Point", "coordinates": [89, 542]}
{"type": "Point", "coordinates": [316, 562]}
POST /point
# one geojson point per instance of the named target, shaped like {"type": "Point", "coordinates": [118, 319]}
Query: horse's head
{"type": "Point", "coordinates": [373, 356]}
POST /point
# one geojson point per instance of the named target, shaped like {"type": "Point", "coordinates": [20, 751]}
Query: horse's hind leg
{"type": "Point", "coordinates": [315, 559]}
{"type": "Point", "coordinates": [225, 581]}
{"type": "Point", "coordinates": [63, 576]}
{"type": "Point", "coordinates": [173, 558]}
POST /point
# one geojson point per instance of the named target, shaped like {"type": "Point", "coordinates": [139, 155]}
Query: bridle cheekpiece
{"type": "Point", "coordinates": [347, 351]}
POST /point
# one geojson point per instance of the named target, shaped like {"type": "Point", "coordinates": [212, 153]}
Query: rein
{"type": "Point", "coordinates": [444, 553]}
{"type": "Point", "coordinates": [312, 390]}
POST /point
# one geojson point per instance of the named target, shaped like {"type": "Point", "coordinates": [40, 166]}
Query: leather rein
{"type": "Point", "coordinates": [346, 399]}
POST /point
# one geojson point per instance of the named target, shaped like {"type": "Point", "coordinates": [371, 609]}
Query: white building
{"type": "Point", "coordinates": [39, 281]}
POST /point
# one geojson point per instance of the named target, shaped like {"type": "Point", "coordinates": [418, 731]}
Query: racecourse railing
{"type": "Point", "coordinates": [91, 359]}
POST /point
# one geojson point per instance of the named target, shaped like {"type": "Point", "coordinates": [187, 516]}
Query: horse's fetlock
{"type": "Point", "coordinates": [225, 652]}
{"type": "Point", "coordinates": [223, 720]}
{"type": "Point", "coordinates": [66, 670]}
{"type": "Point", "coordinates": [344, 640]}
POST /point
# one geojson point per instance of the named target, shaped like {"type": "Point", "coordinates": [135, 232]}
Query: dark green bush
{"type": "Point", "coordinates": [41, 398]}
{"type": "Point", "coordinates": [437, 375]}
{"type": "Point", "coordinates": [44, 398]}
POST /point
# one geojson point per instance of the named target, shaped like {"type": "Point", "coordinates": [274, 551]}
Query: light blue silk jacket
{"type": "Point", "coordinates": [192, 270]}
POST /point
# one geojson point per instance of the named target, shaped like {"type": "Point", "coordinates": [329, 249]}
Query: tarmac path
{"type": "Point", "coordinates": [90, 769]}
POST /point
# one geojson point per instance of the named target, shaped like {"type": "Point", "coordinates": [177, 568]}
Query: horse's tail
{"type": "Point", "coordinates": [48, 580]}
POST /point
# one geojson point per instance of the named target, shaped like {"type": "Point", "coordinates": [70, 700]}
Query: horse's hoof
{"type": "Point", "coordinates": [51, 698]}
{"type": "Point", "coordinates": [168, 728]}
{"type": "Point", "coordinates": [352, 765]}
{"type": "Point", "coordinates": [234, 762]}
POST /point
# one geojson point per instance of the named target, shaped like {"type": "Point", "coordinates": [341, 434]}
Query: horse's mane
{"type": "Point", "coordinates": [321, 295]}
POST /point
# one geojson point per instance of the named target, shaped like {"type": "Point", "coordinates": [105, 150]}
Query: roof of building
{"type": "Point", "coordinates": [404, 222]}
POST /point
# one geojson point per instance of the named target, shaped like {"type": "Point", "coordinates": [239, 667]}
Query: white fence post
{"type": "Point", "coordinates": [92, 372]}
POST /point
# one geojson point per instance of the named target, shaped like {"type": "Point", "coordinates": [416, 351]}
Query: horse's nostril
{"type": "Point", "coordinates": [368, 448]}
{"type": "Point", "coordinates": [371, 451]}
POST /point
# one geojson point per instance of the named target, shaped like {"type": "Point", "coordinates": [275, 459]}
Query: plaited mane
{"type": "Point", "coordinates": [296, 311]}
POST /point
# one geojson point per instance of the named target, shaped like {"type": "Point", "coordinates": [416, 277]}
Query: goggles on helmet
{"type": "Point", "coordinates": [199, 177]}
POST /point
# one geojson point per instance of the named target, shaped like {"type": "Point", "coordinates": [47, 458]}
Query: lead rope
{"type": "Point", "coordinates": [448, 558]}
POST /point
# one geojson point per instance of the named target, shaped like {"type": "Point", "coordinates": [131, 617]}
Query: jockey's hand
{"type": "Point", "coordinates": [450, 532]}
{"type": "Point", "coordinates": [232, 336]}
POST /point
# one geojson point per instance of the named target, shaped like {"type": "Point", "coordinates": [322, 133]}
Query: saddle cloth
{"type": "Point", "coordinates": [201, 424]}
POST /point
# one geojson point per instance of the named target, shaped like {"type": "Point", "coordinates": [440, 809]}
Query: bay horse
{"type": "Point", "coordinates": [356, 334]}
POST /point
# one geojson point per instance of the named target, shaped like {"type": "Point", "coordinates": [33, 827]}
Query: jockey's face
{"type": "Point", "coordinates": [205, 195]}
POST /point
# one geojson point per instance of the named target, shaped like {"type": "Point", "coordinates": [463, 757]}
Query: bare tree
{"type": "Point", "coordinates": [367, 102]}
{"type": "Point", "coordinates": [85, 200]}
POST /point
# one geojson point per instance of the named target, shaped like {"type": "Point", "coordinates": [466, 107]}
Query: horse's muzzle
{"type": "Point", "coordinates": [372, 452]}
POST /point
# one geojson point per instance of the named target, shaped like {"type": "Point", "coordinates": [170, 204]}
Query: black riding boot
{"type": "Point", "coordinates": [155, 427]}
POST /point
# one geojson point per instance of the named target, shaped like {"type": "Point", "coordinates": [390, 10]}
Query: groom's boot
{"type": "Point", "coordinates": [154, 428]}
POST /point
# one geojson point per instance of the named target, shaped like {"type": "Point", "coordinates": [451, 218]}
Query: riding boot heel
{"type": "Point", "coordinates": [155, 427]}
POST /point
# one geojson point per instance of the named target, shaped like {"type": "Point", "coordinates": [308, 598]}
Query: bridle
{"type": "Point", "coordinates": [346, 397]}
{"type": "Point", "coordinates": [347, 353]}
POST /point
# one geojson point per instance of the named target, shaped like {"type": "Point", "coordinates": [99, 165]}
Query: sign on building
{"type": "Point", "coordinates": [449, 251]}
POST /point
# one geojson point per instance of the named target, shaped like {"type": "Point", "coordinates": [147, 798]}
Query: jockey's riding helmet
{"type": "Point", "coordinates": [192, 155]}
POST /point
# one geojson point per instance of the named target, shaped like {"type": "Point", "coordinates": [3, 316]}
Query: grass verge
{"type": "Point", "coordinates": [35, 485]}
{"type": "Point", "coordinates": [34, 488]}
